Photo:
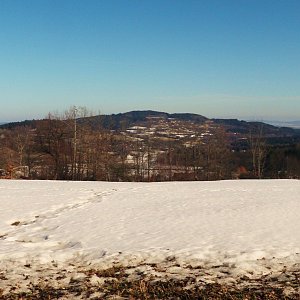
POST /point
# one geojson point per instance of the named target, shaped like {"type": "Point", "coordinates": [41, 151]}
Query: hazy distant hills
{"type": "Point", "coordinates": [292, 124]}
{"type": "Point", "coordinates": [245, 127]}
{"type": "Point", "coordinates": [12, 125]}
{"type": "Point", "coordinates": [122, 121]}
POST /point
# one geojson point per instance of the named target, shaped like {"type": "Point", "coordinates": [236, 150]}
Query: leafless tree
{"type": "Point", "coordinates": [258, 148]}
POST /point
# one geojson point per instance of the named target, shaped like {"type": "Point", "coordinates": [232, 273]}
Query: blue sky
{"type": "Point", "coordinates": [219, 58]}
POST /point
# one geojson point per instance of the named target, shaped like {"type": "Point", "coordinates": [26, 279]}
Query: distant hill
{"type": "Point", "coordinates": [122, 121]}
{"type": "Point", "coordinates": [291, 124]}
{"type": "Point", "coordinates": [235, 125]}
{"type": "Point", "coordinates": [12, 125]}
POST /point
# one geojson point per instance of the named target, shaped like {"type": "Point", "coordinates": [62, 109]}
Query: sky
{"type": "Point", "coordinates": [218, 58]}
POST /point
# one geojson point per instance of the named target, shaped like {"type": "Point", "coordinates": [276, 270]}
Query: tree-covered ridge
{"type": "Point", "coordinates": [127, 119]}
{"type": "Point", "coordinates": [146, 146]}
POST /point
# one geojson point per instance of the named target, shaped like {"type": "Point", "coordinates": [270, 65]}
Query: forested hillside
{"type": "Point", "coordinates": [146, 146]}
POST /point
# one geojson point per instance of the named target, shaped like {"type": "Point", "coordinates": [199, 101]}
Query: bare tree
{"type": "Point", "coordinates": [258, 148]}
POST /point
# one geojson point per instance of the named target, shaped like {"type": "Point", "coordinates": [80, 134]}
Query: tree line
{"type": "Point", "coordinates": [64, 147]}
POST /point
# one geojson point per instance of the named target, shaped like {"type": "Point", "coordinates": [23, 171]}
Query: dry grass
{"type": "Point", "coordinates": [117, 285]}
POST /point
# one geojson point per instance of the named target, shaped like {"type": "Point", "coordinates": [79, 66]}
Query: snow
{"type": "Point", "coordinates": [244, 226]}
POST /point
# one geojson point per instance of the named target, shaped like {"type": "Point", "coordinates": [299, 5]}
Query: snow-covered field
{"type": "Point", "coordinates": [213, 230]}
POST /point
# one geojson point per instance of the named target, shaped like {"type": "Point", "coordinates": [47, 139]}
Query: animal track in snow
{"type": "Point", "coordinates": [20, 227]}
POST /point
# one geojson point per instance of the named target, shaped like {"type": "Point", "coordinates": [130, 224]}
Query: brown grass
{"type": "Point", "coordinates": [119, 285]}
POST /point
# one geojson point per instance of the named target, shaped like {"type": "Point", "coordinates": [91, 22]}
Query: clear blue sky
{"type": "Point", "coordinates": [218, 58]}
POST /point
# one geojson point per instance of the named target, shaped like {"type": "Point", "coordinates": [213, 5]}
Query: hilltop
{"type": "Point", "coordinates": [123, 121]}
